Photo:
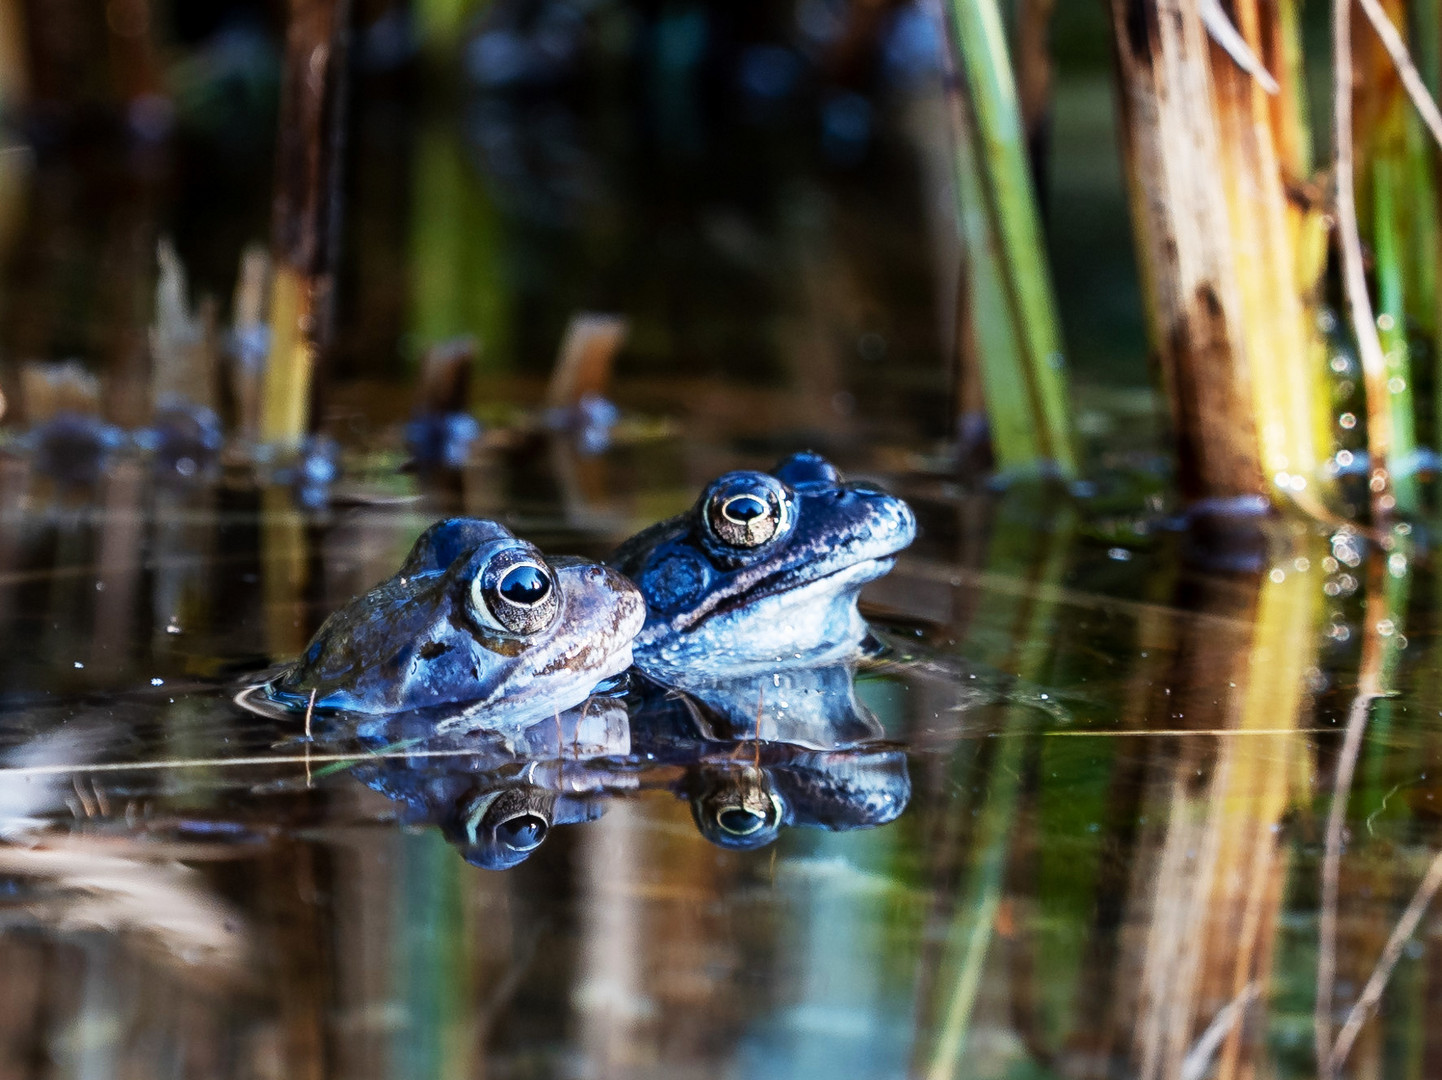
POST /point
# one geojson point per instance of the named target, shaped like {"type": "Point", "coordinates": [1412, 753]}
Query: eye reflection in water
{"type": "Point", "coordinates": [749, 765]}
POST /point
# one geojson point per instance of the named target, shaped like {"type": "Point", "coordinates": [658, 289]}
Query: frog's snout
{"type": "Point", "coordinates": [606, 601]}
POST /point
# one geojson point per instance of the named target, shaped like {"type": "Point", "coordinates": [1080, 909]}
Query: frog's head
{"type": "Point", "coordinates": [765, 567]}
{"type": "Point", "coordinates": [475, 622]}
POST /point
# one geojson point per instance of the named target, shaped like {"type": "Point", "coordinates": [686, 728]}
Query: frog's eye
{"type": "Point", "coordinates": [747, 511]}
{"type": "Point", "coordinates": [739, 821]}
{"type": "Point", "coordinates": [522, 832]}
{"type": "Point", "coordinates": [737, 808]}
{"type": "Point", "coordinates": [498, 829]}
{"type": "Point", "coordinates": [515, 593]}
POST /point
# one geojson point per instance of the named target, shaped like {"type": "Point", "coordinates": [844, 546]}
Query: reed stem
{"type": "Point", "coordinates": [306, 217]}
{"type": "Point", "coordinates": [1026, 384]}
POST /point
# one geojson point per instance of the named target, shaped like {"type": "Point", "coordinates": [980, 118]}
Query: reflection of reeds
{"type": "Point", "coordinates": [1207, 877]}
{"type": "Point", "coordinates": [1031, 620]}
{"type": "Point", "coordinates": [1381, 645]}
{"type": "Point", "coordinates": [285, 573]}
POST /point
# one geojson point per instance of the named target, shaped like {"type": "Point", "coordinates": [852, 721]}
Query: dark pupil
{"type": "Point", "coordinates": [525, 585]}
{"type": "Point", "coordinates": [739, 822]}
{"type": "Point", "coordinates": [745, 508]}
{"type": "Point", "coordinates": [522, 833]}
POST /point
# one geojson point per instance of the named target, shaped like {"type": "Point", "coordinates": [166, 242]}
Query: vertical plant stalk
{"type": "Point", "coordinates": [1034, 77]}
{"type": "Point", "coordinates": [1276, 269]}
{"type": "Point", "coordinates": [306, 215]}
{"type": "Point", "coordinates": [1407, 239]}
{"type": "Point", "coordinates": [1394, 177]}
{"type": "Point", "coordinates": [1171, 147]}
{"type": "Point", "coordinates": [1389, 192]}
{"type": "Point", "coordinates": [1354, 276]}
{"type": "Point", "coordinates": [1229, 259]}
{"type": "Point", "coordinates": [14, 60]}
{"type": "Point", "coordinates": [987, 349]}
{"type": "Point", "coordinates": [1026, 386]}
{"type": "Point", "coordinates": [1407, 71]}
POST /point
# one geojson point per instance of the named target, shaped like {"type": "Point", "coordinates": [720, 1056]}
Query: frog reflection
{"type": "Point", "coordinates": [497, 797]}
{"type": "Point", "coordinates": [765, 568]}
{"type": "Point", "coordinates": [477, 628]}
{"type": "Point", "coordinates": [759, 753]}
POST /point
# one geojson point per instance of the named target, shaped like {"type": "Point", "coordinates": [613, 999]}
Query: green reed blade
{"type": "Point", "coordinates": [1015, 439]}
{"type": "Point", "coordinates": [1387, 178]}
{"type": "Point", "coordinates": [1035, 372]}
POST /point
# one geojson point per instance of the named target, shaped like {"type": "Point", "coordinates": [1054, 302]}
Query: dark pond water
{"type": "Point", "coordinates": [1122, 799]}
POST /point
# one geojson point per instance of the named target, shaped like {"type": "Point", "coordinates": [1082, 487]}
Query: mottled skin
{"type": "Point", "coordinates": [427, 639]}
{"type": "Point", "coordinates": [761, 753]}
{"type": "Point", "coordinates": [741, 595]}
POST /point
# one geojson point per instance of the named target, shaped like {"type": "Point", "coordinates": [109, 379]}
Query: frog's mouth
{"type": "Point", "coordinates": [803, 587]}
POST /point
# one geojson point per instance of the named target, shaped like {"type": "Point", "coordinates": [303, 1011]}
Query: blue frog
{"type": "Point", "coordinates": [477, 629]}
{"type": "Point", "coordinates": [764, 569]}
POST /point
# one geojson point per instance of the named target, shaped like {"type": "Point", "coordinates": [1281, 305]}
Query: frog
{"type": "Point", "coordinates": [765, 568]}
{"type": "Point", "coordinates": [477, 628]}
